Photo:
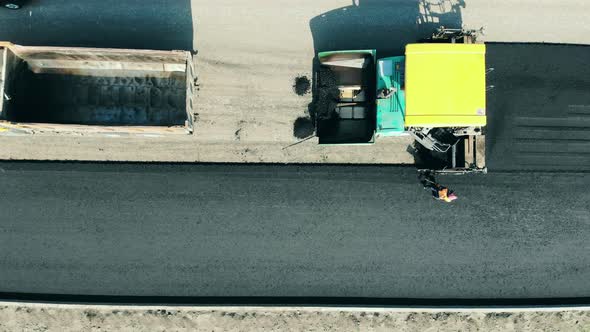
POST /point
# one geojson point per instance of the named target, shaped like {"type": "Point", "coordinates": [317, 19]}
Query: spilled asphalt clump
{"type": "Point", "coordinates": [302, 85]}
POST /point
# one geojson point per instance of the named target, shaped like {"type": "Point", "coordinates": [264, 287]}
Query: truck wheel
{"type": "Point", "coordinates": [12, 6]}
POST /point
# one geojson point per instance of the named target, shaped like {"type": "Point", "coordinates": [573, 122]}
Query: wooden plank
{"type": "Point", "coordinates": [104, 68]}
{"type": "Point", "coordinates": [3, 55]}
{"type": "Point", "coordinates": [480, 151]}
{"type": "Point", "coordinates": [469, 150]}
{"type": "Point", "coordinates": [33, 128]}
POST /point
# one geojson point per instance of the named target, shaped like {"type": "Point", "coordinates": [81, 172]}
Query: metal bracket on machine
{"type": "Point", "coordinates": [466, 158]}
{"type": "Point", "coordinates": [430, 143]}
{"type": "Point", "coordinates": [468, 36]}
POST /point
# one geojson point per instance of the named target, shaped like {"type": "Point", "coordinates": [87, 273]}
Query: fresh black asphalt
{"type": "Point", "coordinates": [539, 107]}
{"type": "Point", "coordinates": [271, 230]}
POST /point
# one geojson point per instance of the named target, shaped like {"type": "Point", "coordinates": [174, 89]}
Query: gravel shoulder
{"type": "Point", "coordinates": [48, 317]}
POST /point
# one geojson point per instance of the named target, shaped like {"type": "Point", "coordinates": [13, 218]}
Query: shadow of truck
{"type": "Point", "coordinates": [383, 25]}
{"type": "Point", "coordinates": [130, 24]}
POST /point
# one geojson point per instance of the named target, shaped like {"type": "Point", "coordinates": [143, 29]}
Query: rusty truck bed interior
{"type": "Point", "coordinates": [87, 87]}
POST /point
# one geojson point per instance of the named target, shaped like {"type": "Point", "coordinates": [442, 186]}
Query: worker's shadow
{"type": "Point", "coordinates": [384, 25]}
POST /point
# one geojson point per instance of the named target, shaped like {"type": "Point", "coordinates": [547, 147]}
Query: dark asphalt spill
{"type": "Point", "coordinates": [302, 85]}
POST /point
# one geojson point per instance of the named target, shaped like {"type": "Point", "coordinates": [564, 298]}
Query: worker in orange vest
{"type": "Point", "coordinates": [439, 192]}
{"type": "Point", "coordinates": [444, 194]}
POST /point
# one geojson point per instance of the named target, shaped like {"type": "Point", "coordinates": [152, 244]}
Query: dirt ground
{"type": "Point", "coordinates": [250, 55]}
{"type": "Point", "coordinates": [43, 317]}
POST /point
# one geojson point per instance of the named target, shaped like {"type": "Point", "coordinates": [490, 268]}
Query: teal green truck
{"type": "Point", "coordinates": [435, 92]}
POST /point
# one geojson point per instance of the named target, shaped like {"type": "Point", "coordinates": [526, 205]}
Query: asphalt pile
{"type": "Point", "coordinates": [327, 95]}
{"type": "Point", "coordinates": [96, 100]}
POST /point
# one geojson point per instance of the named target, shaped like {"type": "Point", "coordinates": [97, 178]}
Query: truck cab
{"type": "Point", "coordinates": [438, 93]}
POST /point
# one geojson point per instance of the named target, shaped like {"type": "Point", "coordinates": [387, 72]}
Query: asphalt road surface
{"type": "Point", "coordinates": [538, 107]}
{"type": "Point", "coordinates": [240, 230]}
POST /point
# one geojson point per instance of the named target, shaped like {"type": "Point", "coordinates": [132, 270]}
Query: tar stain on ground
{"type": "Point", "coordinates": [302, 85]}
{"type": "Point", "coordinates": [322, 107]}
{"type": "Point", "coordinates": [303, 127]}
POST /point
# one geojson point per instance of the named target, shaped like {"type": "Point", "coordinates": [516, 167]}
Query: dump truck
{"type": "Point", "coordinates": [98, 91]}
{"type": "Point", "coordinates": [435, 93]}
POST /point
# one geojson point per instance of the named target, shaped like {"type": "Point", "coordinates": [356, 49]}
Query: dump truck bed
{"type": "Point", "coordinates": [85, 89]}
{"type": "Point", "coordinates": [345, 88]}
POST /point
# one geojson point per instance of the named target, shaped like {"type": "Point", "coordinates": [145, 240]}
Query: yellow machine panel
{"type": "Point", "coordinates": [445, 85]}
